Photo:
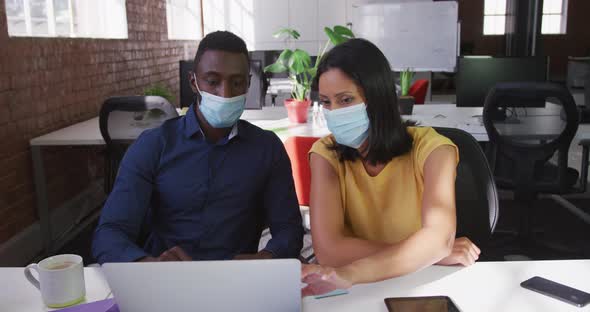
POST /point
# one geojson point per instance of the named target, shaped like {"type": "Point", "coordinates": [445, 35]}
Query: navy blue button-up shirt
{"type": "Point", "coordinates": [174, 188]}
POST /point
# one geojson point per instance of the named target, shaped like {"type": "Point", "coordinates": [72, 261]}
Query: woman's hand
{"type": "Point", "coordinates": [464, 252]}
{"type": "Point", "coordinates": [322, 279]}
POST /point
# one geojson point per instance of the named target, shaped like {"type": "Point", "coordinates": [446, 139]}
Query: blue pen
{"type": "Point", "coordinates": [337, 292]}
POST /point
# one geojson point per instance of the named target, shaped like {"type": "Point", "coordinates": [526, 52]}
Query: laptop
{"type": "Point", "coordinates": [245, 285]}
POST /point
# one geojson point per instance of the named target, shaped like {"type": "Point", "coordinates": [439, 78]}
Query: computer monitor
{"type": "Point", "coordinates": [478, 74]}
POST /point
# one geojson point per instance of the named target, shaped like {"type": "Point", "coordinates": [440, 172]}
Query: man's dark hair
{"type": "Point", "coordinates": [366, 65]}
{"type": "Point", "coordinates": [221, 41]}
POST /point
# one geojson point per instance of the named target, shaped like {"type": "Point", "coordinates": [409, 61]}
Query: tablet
{"type": "Point", "coordinates": [423, 304]}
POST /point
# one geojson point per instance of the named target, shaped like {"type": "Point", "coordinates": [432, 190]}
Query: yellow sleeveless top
{"type": "Point", "coordinates": [387, 207]}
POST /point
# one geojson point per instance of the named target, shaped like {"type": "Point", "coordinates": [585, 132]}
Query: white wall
{"type": "Point", "coordinates": [255, 21]}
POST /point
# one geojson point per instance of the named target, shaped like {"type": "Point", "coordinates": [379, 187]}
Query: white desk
{"type": "Point", "coordinates": [18, 295]}
{"type": "Point", "coordinates": [485, 286]}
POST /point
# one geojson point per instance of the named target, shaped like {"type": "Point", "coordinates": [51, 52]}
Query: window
{"type": "Point", "coordinates": [67, 18]}
{"type": "Point", "coordinates": [184, 19]}
{"type": "Point", "coordinates": [494, 17]}
{"type": "Point", "coordinates": [232, 15]}
{"type": "Point", "coordinates": [554, 17]}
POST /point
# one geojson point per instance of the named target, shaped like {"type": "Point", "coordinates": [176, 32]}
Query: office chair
{"type": "Point", "coordinates": [476, 196]}
{"type": "Point", "coordinates": [297, 148]}
{"type": "Point", "coordinates": [121, 121]}
{"type": "Point", "coordinates": [587, 91]}
{"type": "Point", "coordinates": [418, 90]}
{"type": "Point", "coordinates": [258, 85]}
{"type": "Point", "coordinates": [524, 137]}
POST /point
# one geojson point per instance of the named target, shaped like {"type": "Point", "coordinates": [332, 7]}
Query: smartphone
{"type": "Point", "coordinates": [425, 304]}
{"type": "Point", "coordinates": [557, 291]}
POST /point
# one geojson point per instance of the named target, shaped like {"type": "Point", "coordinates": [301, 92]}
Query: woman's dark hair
{"type": "Point", "coordinates": [366, 65]}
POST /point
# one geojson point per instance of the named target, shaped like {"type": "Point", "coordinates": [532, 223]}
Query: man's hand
{"type": "Point", "coordinates": [173, 254]}
{"type": "Point", "coordinates": [464, 252]}
{"type": "Point", "coordinates": [263, 254]}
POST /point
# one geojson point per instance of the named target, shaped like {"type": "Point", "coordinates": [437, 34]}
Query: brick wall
{"type": "Point", "coordinates": [50, 83]}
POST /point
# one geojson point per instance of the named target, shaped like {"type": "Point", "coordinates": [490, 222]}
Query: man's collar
{"type": "Point", "coordinates": [192, 126]}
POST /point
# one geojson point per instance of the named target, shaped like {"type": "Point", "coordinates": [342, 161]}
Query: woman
{"type": "Point", "coordinates": [382, 191]}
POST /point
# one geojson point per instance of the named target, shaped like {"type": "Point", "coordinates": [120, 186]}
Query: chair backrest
{"type": "Point", "coordinates": [297, 149]}
{"type": "Point", "coordinates": [122, 119]}
{"type": "Point", "coordinates": [475, 190]}
{"type": "Point", "coordinates": [418, 90]}
{"type": "Point", "coordinates": [256, 91]}
{"type": "Point", "coordinates": [527, 123]}
{"type": "Point", "coordinates": [587, 91]}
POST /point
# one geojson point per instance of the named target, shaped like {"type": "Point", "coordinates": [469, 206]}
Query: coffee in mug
{"type": "Point", "coordinates": [61, 280]}
{"type": "Point", "coordinates": [60, 266]}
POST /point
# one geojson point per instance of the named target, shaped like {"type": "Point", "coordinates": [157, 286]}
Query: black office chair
{"type": "Point", "coordinates": [475, 191]}
{"type": "Point", "coordinates": [256, 91]}
{"type": "Point", "coordinates": [587, 91]}
{"type": "Point", "coordinates": [528, 124]}
{"type": "Point", "coordinates": [121, 120]}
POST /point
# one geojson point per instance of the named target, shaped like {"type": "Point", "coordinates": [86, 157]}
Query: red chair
{"type": "Point", "coordinates": [418, 90]}
{"type": "Point", "coordinates": [297, 148]}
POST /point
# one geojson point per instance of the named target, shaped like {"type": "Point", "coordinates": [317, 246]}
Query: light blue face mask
{"type": "Point", "coordinates": [221, 112]}
{"type": "Point", "coordinates": [349, 125]}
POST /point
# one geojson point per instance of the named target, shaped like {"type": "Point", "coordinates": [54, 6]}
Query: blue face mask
{"type": "Point", "coordinates": [349, 125]}
{"type": "Point", "coordinates": [221, 112]}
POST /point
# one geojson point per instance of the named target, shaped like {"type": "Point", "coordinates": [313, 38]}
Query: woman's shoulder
{"type": "Point", "coordinates": [324, 148]}
{"type": "Point", "coordinates": [424, 135]}
{"type": "Point", "coordinates": [323, 145]}
{"type": "Point", "coordinates": [426, 140]}
{"type": "Point", "coordinates": [420, 133]}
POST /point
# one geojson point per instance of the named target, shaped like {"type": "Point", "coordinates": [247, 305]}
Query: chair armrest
{"type": "Point", "coordinates": [584, 168]}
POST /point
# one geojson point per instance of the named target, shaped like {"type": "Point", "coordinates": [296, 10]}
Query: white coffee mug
{"type": "Point", "coordinates": [61, 280]}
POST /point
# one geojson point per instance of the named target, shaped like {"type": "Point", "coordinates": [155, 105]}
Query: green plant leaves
{"type": "Point", "coordinates": [276, 68]}
{"type": "Point", "coordinates": [288, 32]}
{"type": "Point", "coordinates": [406, 76]}
{"type": "Point", "coordinates": [160, 90]}
{"type": "Point", "coordinates": [343, 31]}
{"type": "Point", "coordinates": [339, 34]}
{"type": "Point", "coordinates": [299, 62]}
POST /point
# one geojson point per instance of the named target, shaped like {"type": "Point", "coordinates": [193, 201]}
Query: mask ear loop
{"type": "Point", "coordinates": [196, 94]}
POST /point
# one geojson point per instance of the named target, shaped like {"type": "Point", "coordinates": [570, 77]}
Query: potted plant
{"type": "Point", "coordinates": [297, 63]}
{"type": "Point", "coordinates": [406, 101]}
{"type": "Point", "coordinates": [159, 90]}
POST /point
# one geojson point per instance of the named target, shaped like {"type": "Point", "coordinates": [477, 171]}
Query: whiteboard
{"type": "Point", "coordinates": [422, 36]}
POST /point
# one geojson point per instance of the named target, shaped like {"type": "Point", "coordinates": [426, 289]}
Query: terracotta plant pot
{"type": "Point", "coordinates": [297, 110]}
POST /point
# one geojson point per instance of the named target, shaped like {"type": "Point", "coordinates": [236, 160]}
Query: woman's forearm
{"type": "Point", "coordinates": [422, 249]}
{"type": "Point", "coordinates": [346, 250]}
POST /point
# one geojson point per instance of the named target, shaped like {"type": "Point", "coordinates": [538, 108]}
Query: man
{"type": "Point", "coordinates": [203, 186]}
